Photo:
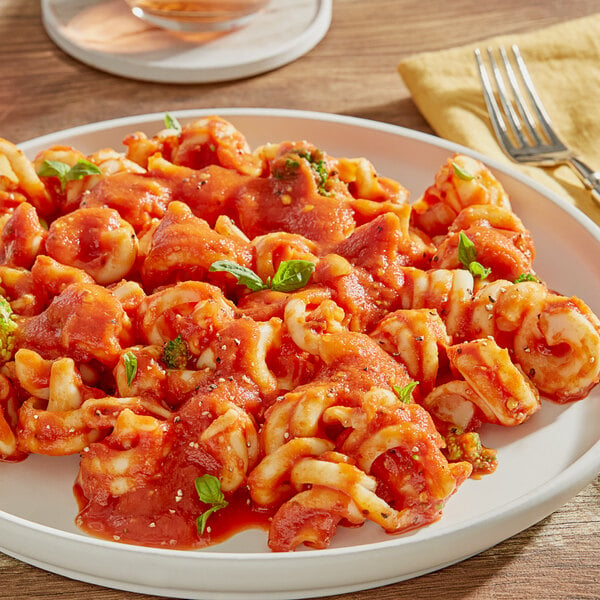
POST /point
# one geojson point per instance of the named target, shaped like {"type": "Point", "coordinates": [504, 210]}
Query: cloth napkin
{"type": "Point", "coordinates": [564, 63]}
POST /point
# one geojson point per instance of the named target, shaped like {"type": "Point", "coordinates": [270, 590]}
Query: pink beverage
{"type": "Point", "coordinates": [197, 15]}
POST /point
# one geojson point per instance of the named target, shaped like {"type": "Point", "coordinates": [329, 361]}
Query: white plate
{"type": "Point", "coordinates": [542, 463]}
{"type": "Point", "coordinates": [104, 34]}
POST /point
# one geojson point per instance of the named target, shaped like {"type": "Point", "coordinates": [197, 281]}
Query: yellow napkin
{"type": "Point", "coordinates": [564, 63]}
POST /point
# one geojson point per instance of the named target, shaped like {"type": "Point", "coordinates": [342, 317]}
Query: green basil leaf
{"type": "Point", "coordinates": [243, 275]}
{"type": "Point", "coordinates": [292, 275]}
{"type": "Point", "coordinates": [53, 168]}
{"type": "Point", "coordinates": [467, 252]}
{"type": "Point", "coordinates": [82, 168]}
{"type": "Point", "coordinates": [130, 362]}
{"type": "Point", "coordinates": [405, 393]}
{"type": "Point", "coordinates": [461, 173]}
{"type": "Point", "coordinates": [203, 518]}
{"type": "Point", "coordinates": [209, 489]}
{"type": "Point", "coordinates": [171, 122]}
{"type": "Point", "coordinates": [65, 173]}
{"type": "Point", "coordinates": [478, 270]}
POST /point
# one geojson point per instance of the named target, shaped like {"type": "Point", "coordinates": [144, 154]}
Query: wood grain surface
{"type": "Point", "coordinates": [352, 72]}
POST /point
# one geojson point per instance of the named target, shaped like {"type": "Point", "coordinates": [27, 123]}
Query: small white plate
{"type": "Point", "coordinates": [104, 34]}
{"type": "Point", "coordinates": [542, 463]}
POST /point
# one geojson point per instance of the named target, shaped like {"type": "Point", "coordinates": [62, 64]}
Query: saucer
{"type": "Point", "coordinates": [105, 35]}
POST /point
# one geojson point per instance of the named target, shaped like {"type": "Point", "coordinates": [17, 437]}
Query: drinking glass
{"type": "Point", "coordinates": [197, 15]}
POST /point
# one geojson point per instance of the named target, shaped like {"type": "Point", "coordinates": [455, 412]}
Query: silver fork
{"type": "Point", "coordinates": [521, 123]}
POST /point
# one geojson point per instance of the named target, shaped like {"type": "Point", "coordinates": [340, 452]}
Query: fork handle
{"type": "Point", "coordinates": [590, 178]}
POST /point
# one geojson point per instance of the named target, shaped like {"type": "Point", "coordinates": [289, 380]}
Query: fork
{"type": "Point", "coordinates": [521, 123]}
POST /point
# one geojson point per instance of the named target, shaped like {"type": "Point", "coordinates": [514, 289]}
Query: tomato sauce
{"type": "Point", "coordinates": [163, 511]}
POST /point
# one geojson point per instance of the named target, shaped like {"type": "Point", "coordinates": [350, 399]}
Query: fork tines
{"type": "Point", "coordinates": [519, 119]}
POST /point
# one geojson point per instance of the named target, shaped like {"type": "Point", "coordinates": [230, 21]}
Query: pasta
{"type": "Point", "coordinates": [274, 338]}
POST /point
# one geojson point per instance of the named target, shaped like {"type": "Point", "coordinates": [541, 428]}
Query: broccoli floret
{"type": "Point", "coordinates": [175, 353]}
{"type": "Point", "coordinates": [7, 331]}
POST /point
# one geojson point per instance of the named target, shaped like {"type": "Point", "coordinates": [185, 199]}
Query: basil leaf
{"type": "Point", "coordinates": [292, 275]}
{"type": "Point", "coordinates": [244, 275]}
{"type": "Point", "coordinates": [171, 122]}
{"type": "Point", "coordinates": [461, 173]}
{"type": "Point", "coordinates": [478, 270]}
{"type": "Point", "coordinates": [53, 168]}
{"type": "Point", "coordinates": [130, 362]}
{"type": "Point", "coordinates": [405, 393]}
{"type": "Point", "coordinates": [203, 518]}
{"type": "Point", "coordinates": [65, 173]}
{"type": "Point", "coordinates": [467, 252]}
{"type": "Point", "coordinates": [82, 168]}
{"type": "Point", "coordinates": [209, 491]}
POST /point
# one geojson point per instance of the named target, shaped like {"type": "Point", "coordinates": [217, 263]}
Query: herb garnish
{"type": "Point", "coordinates": [130, 362]}
{"type": "Point", "coordinates": [175, 353]}
{"type": "Point", "coordinates": [467, 254]}
{"type": "Point", "coordinates": [209, 491]}
{"type": "Point", "coordinates": [405, 393]}
{"type": "Point", "coordinates": [526, 277]}
{"type": "Point", "coordinates": [461, 173]}
{"type": "Point", "coordinates": [291, 275]}
{"type": "Point", "coordinates": [66, 173]}
{"type": "Point", "coordinates": [171, 122]}
{"type": "Point", "coordinates": [7, 330]}
{"type": "Point", "coordinates": [244, 275]}
{"type": "Point", "coordinates": [319, 167]}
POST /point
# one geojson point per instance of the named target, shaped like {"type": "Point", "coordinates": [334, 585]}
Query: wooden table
{"type": "Point", "coordinates": [351, 72]}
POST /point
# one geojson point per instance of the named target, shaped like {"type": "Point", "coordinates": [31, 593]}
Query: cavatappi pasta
{"type": "Point", "coordinates": [274, 338]}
